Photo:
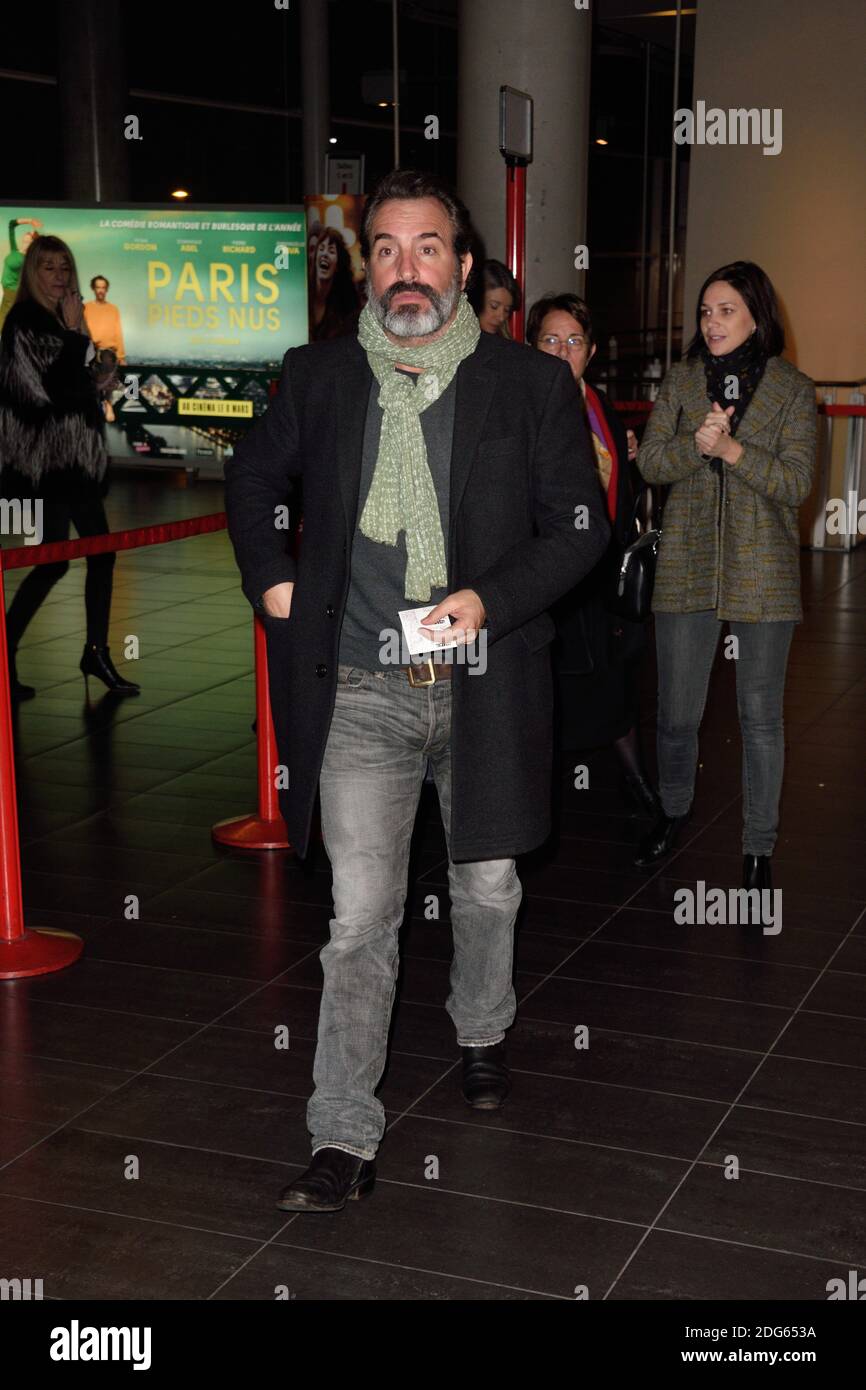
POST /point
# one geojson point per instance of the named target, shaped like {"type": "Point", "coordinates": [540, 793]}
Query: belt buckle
{"type": "Point", "coordinates": [414, 680]}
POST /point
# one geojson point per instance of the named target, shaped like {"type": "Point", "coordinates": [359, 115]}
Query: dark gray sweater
{"type": "Point", "coordinates": [376, 585]}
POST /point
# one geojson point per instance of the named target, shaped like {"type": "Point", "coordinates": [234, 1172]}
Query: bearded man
{"type": "Point", "coordinates": [442, 468]}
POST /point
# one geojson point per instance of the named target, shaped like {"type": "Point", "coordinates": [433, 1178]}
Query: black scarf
{"type": "Point", "coordinates": [746, 363]}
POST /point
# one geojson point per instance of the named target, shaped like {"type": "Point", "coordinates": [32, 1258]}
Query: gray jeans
{"type": "Point", "coordinates": [382, 733]}
{"type": "Point", "coordinates": [686, 647]}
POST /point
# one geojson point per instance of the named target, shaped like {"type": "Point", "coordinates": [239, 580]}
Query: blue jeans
{"type": "Point", "coordinates": [382, 733]}
{"type": "Point", "coordinates": [686, 647]}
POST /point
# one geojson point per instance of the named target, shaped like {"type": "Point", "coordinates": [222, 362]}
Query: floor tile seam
{"type": "Point", "coordinates": [125, 1216]}
{"type": "Point", "coordinates": [233, 1028]}
{"type": "Point", "coordinates": [720, 1124]}
{"type": "Point", "coordinates": [71, 1120]}
{"type": "Point", "coordinates": [164, 923]}
{"type": "Point", "coordinates": [748, 1245]}
{"type": "Point", "coordinates": [704, 955]}
{"type": "Point", "coordinates": [525, 1072]}
{"type": "Point", "coordinates": [617, 1148]}
{"type": "Point", "coordinates": [208, 974]}
{"type": "Point", "coordinates": [274, 1242]}
{"type": "Point", "coordinates": [610, 917]}
{"type": "Point", "coordinates": [258, 1159]}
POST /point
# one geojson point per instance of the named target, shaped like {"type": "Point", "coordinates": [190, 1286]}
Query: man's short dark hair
{"type": "Point", "coordinates": [413, 183]}
{"type": "Point", "coordinates": [99, 277]}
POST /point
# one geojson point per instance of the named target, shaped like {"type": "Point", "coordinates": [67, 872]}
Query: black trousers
{"type": "Point", "coordinates": [68, 497]}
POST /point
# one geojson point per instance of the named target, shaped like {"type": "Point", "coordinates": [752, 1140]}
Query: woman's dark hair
{"type": "Point", "coordinates": [413, 183]}
{"type": "Point", "coordinates": [755, 286]}
{"type": "Point", "coordinates": [569, 304]}
{"type": "Point", "coordinates": [341, 310]}
{"type": "Point", "coordinates": [493, 275]}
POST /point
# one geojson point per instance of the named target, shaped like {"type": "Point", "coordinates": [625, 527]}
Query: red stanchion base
{"type": "Point", "coordinates": [251, 832]}
{"type": "Point", "coordinates": [39, 951]}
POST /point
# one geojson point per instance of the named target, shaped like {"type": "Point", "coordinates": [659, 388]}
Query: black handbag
{"type": "Point", "coordinates": [633, 582]}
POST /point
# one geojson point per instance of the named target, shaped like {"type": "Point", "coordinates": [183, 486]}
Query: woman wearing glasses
{"type": "Point", "coordinates": [597, 654]}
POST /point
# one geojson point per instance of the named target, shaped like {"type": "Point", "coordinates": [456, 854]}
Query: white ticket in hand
{"type": "Point", "coordinates": [418, 641]}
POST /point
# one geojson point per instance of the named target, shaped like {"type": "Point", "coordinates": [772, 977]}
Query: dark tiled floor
{"type": "Point", "coordinates": [709, 1142]}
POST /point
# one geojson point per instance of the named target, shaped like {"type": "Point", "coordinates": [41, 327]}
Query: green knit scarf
{"type": "Point", "coordinates": [402, 495]}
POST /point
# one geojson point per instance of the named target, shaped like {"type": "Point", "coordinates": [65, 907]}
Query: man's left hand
{"type": "Point", "coordinates": [467, 610]}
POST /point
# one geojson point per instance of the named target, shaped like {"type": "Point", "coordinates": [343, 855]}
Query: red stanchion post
{"type": "Point", "coordinates": [23, 950]}
{"type": "Point", "coordinates": [515, 240]}
{"type": "Point", "coordinates": [267, 830]}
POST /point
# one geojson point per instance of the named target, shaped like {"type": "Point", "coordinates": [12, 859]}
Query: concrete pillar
{"type": "Point", "coordinates": [541, 47]}
{"type": "Point", "coordinates": [94, 100]}
{"type": "Point", "coordinates": [315, 92]}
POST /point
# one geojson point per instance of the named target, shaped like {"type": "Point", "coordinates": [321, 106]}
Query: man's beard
{"type": "Point", "coordinates": [414, 320]}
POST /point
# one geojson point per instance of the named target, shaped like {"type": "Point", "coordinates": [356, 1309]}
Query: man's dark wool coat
{"type": "Point", "coordinates": [521, 467]}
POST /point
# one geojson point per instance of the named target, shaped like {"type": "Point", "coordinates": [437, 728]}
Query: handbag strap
{"type": "Point", "coordinates": [657, 521]}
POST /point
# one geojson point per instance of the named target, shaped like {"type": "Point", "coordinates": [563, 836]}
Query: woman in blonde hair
{"type": "Point", "coordinates": [51, 445]}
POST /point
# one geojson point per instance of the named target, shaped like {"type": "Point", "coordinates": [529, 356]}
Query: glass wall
{"type": "Point", "coordinates": [628, 210]}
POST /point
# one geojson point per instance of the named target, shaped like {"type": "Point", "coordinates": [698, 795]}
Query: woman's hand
{"type": "Point", "coordinates": [707, 439]}
{"type": "Point", "coordinates": [714, 436]}
{"type": "Point", "coordinates": [72, 309]}
{"type": "Point", "coordinates": [728, 449]}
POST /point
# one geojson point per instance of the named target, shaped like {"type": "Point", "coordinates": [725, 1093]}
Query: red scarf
{"type": "Point", "coordinates": [598, 424]}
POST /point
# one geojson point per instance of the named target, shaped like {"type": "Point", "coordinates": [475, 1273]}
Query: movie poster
{"type": "Point", "coordinates": [199, 305]}
{"type": "Point", "coordinates": [334, 269]}
{"type": "Point", "coordinates": [189, 286]}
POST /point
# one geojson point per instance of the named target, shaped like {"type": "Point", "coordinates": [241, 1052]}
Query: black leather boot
{"type": "Point", "coordinates": [644, 795]}
{"type": "Point", "coordinates": [333, 1178]}
{"type": "Point", "coordinates": [756, 871]}
{"type": "Point", "coordinates": [17, 690]}
{"type": "Point", "coordinates": [660, 840]}
{"type": "Point", "coordinates": [486, 1079]}
{"type": "Point", "coordinates": [96, 661]}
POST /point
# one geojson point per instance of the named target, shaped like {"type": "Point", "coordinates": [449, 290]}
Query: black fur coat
{"type": "Point", "coordinates": [50, 414]}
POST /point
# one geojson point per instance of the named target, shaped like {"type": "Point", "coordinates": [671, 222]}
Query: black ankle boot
{"type": "Point", "coordinates": [660, 840]}
{"type": "Point", "coordinates": [644, 795]}
{"type": "Point", "coordinates": [96, 661]}
{"type": "Point", "coordinates": [486, 1078]}
{"type": "Point", "coordinates": [17, 690]}
{"type": "Point", "coordinates": [756, 871]}
{"type": "Point", "coordinates": [333, 1178]}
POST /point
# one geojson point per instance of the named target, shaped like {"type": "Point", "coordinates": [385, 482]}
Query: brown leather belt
{"type": "Point", "coordinates": [428, 672]}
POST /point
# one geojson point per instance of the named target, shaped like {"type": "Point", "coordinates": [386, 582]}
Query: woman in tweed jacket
{"type": "Point", "coordinates": [733, 435]}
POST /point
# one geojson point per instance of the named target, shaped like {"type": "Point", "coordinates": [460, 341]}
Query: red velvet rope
{"type": "Point", "coordinates": [23, 555]}
{"type": "Point", "coordinates": [644, 408]}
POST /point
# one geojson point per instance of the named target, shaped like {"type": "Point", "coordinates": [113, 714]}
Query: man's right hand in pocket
{"type": "Point", "coordinates": [277, 600]}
